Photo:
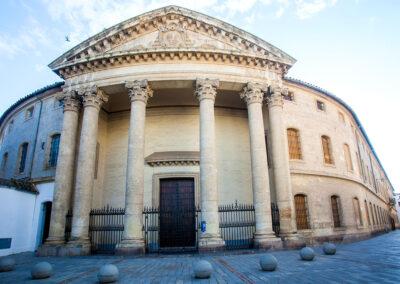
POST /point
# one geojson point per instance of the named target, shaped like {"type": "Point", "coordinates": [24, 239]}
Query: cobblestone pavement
{"type": "Point", "coordinates": [376, 260]}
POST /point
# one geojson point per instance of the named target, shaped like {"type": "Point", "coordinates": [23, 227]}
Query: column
{"type": "Point", "coordinates": [210, 239]}
{"type": "Point", "coordinates": [264, 237]}
{"type": "Point", "coordinates": [280, 158]}
{"type": "Point", "coordinates": [132, 240]}
{"type": "Point", "coordinates": [64, 173]}
{"type": "Point", "coordinates": [92, 98]}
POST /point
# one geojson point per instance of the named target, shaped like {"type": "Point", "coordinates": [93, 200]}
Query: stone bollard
{"type": "Point", "coordinates": [329, 248]}
{"type": "Point", "coordinates": [202, 269]}
{"type": "Point", "coordinates": [7, 264]}
{"type": "Point", "coordinates": [268, 262]}
{"type": "Point", "coordinates": [41, 270]}
{"type": "Point", "coordinates": [307, 253]}
{"type": "Point", "coordinates": [108, 273]}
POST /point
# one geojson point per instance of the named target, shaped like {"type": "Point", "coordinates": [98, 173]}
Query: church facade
{"type": "Point", "coordinates": [177, 110]}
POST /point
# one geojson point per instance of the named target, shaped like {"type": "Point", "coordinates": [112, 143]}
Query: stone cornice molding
{"type": "Point", "coordinates": [275, 98]}
{"type": "Point", "coordinates": [206, 89]}
{"type": "Point", "coordinates": [92, 96]}
{"type": "Point", "coordinates": [71, 101]}
{"type": "Point", "coordinates": [253, 93]}
{"type": "Point", "coordinates": [173, 158]}
{"type": "Point", "coordinates": [139, 90]}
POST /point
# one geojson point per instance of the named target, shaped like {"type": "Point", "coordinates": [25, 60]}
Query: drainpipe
{"type": "Point", "coordinates": [36, 137]}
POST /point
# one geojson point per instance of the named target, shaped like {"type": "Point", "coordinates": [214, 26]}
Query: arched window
{"type": "Point", "coordinates": [347, 156]}
{"type": "Point", "coordinates": [357, 211]}
{"type": "Point", "coordinates": [294, 144]}
{"type": "Point", "coordinates": [372, 214]}
{"type": "Point", "coordinates": [327, 149]}
{"type": "Point", "coordinates": [54, 145]}
{"type": "Point", "coordinates": [300, 204]}
{"type": "Point", "coordinates": [335, 205]}
{"type": "Point", "coordinates": [367, 211]}
{"type": "Point", "coordinates": [376, 215]}
{"type": "Point", "coordinates": [4, 161]}
{"type": "Point", "coordinates": [23, 151]}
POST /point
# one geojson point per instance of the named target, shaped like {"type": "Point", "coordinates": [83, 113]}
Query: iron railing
{"type": "Point", "coordinates": [106, 225]}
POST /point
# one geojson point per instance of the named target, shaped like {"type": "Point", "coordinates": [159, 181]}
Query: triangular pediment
{"type": "Point", "coordinates": [167, 29]}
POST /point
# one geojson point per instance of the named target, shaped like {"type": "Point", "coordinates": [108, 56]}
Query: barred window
{"type": "Point", "coordinates": [335, 204]}
{"type": "Point", "coordinates": [347, 156]}
{"type": "Point", "coordinates": [367, 212]}
{"type": "Point", "coordinates": [54, 146]}
{"type": "Point", "coordinates": [357, 211]}
{"type": "Point", "coordinates": [23, 151]}
{"type": "Point", "coordinates": [294, 144]}
{"type": "Point", "coordinates": [327, 149]}
{"type": "Point", "coordinates": [321, 105]}
{"type": "Point", "coordinates": [300, 204]}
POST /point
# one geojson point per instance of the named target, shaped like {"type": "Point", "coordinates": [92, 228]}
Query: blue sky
{"type": "Point", "coordinates": [349, 47]}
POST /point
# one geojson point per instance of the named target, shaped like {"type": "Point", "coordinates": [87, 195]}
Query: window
{"type": "Point", "coordinates": [289, 96]}
{"type": "Point", "coordinates": [367, 211]}
{"type": "Point", "coordinates": [4, 161]}
{"type": "Point", "coordinates": [341, 116]}
{"type": "Point", "coordinates": [347, 156]}
{"type": "Point", "coordinates": [54, 146]}
{"type": "Point", "coordinates": [10, 126]}
{"type": "Point", "coordinates": [327, 149]}
{"type": "Point", "coordinates": [300, 204]}
{"type": "Point", "coordinates": [335, 204]}
{"type": "Point", "coordinates": [23, 151]}
{"type": "Point", "coordinates": [376, 215]}
{"type": "Point", "coordinates": [372, 213]}
{"type": "Point", "coordinates": [357, 211]}
{"type": "Point", "coordinates": [294, 144]}
{"type": "Point", "coordinates": [29, 113]}
{"type": "Point", "coordinates": [321, 105]}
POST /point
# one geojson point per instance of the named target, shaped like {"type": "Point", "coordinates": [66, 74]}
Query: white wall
{"type": "Point", "coordinates": [19, 217]}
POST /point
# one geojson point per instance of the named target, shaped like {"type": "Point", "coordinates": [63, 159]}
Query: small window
{"type": "Point", "coordinates": [294, 144]}
{"type": "Point", "coordinates": [4, 161]}
{"type": "Point", "coordinates": [10, 126]}
{"type": "Point", "coordinates": [54, 146]}
{"type": "Point", "coordinates": [289, 96]}
{"type": "Point", "coordinates": [321, 105]}
{"type": "Point", "coordinates": [23, 151]}
{"type": "Point", "coordinates": [300, 204]}
{"type": "Point", "coordinates": [347, 156]}
{"type": "Point", "coordinates": [29, 113]}
{"type": "Point", "coordinates": [357, 211]}
{"type": "Point", "coordinates": [372, 213]}
{"type": "Point", "coordinates": [367, 211]}
{"type": "Point", "coordinates": [327, 149]}
{"type": "Point", "coordinates": [335, 205]}
{"type": "Point", "coordinates": [341, 116]}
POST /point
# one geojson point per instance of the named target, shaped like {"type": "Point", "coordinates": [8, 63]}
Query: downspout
{"type": "Point", "coordinates": [36, 137]}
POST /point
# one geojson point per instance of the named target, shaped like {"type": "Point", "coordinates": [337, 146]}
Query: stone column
{"type": "Point", "coordinates": [92, 98]}
{"type": "Point", "coordinates": [206, 90]}
{"type": "Point", "coordinates": [132, 240]}
{"type": "Point", "coordinates": [280, 158]}
{"type": "Point", "coordinates": [264, 237]}
{"type": "Point", "coordinates": [64, 174]}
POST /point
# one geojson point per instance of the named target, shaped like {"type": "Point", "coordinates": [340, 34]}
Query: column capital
{"type": "Point", "coordinates": [139, 90]}
{"type": "Point", "coordinates": [92, 96]}
{"type": "Point", "coordinates": [70, 100]}
{"type": "Point", "coordinates": [253, 93]}
{"type": "Point", "coordinates": [275, 98]}
{"type": "Point", "coordinates": [206, 89]}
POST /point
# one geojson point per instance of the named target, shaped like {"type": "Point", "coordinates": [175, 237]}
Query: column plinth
{"type": "Point", "coordinates": [210, 240]}
{"type": "Point", "coordinates": [132, 239]}
{"type": "Point", "coordinates": [264, 237]}
{"type": "Point", "coordinates": [280, 157]}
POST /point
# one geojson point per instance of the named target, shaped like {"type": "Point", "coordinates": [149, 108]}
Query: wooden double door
{"type": "Point", "coordinates": [177, 213]}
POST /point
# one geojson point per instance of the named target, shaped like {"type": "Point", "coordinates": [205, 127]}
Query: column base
{"type": "Point", "coordinates": [131, 247]}
{"type": "Point", "coordinates": [52, 247]}
{"type": "Point", "coordinates": [78, 247]}
{"type": "Point", "coordinates": [267, 241]}
{"type": "Point", "coordinates": [211, 243]}
{"type": "Point", "coordinates": [292, 241]}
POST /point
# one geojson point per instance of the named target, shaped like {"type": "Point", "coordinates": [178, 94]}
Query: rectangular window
{"type": "Point", "coordinates": [321, 105]}
{"type": "Point", "coordinates": [22, 160]}
{"type": "Point", "coordinates": [4, 162]}
{"type": "Point", "coordinates": [367, 211]}
{"type": "Point", "coordinates": [327, 150]}
{"type": "Point", "coordinates": [347, 156]}
{"type": "Point", "coordinates": [29, 113]}
{"type": "Point", "coordinates": [335, 211]}
{"type": "Point", "coordinates": [54, 146]}
{"type": "Point", "coordinates": [357, 211]}
{"type": "Point", "coordinates": [294, 144]}
{"type": "Point", "coordinates": [300, 204]}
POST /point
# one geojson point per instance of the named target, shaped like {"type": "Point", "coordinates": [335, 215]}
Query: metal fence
{"type": "Point", "coordinates": [106, 225]}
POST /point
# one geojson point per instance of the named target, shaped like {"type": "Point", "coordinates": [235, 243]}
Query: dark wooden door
{"type": "Point", "coordinates": [177, 213]}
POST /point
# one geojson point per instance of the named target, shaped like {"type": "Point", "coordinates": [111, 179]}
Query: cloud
{"type": "Point", "coordinates": [306, 9]}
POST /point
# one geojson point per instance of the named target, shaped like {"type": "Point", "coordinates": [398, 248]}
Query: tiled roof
{"type": "Point", "coordinates": [19, 184]}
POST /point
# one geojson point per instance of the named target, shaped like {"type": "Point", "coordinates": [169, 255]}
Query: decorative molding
{"type": "Point", "coordinates": [276, 98]}
{"type": "Point", "coordinates": [92, 96]}
{"type": "Point", "coordinates": [172, 34]}
{"type": "Point", "coordinates": [253, 93]}
{"type": "Point", "coordinates": [173, 158]}
{"type": "Point", "coordinates": [71, 101]}
{"type": "Point", "coordinates": [206, 89]}
{"type": "Point", "coordinates": [139, 90]}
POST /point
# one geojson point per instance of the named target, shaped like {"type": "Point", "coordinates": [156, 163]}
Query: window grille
{"type": "Point", "coordinates": [347, 156]}
{"type": "Point", "coordinates": [367, 212]}
{"type": "Point", "coordinates": [335, 211]}
{"type": "Point", "coordinates": [300, 203]}
{"type": "Point", "coordinates": [23, 154]}
{"type": "Point", "coordinates": [321, 105]}
{"type": "Point", "coordinates": [357, 211]}
{"type": "Point", "coordinates": [327, 149]}
{"type": "Point", "coordinates": [294, 144]}
{"type": "Point", "coordinates": [54, 146]}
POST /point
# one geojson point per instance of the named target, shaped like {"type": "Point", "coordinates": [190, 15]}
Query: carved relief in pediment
{"type": "Point", "coordinates": [172, 34]}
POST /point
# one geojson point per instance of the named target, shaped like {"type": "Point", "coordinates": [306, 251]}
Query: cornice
{"type": "Point", "coordinates": [173, 158]}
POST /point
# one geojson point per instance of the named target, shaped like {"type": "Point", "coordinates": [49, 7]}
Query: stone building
{"type": "Point", "coordinates": [173, 109]}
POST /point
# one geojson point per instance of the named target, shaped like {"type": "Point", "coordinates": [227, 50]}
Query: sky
{"type": "Point", "coordinates": [348, 47]}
